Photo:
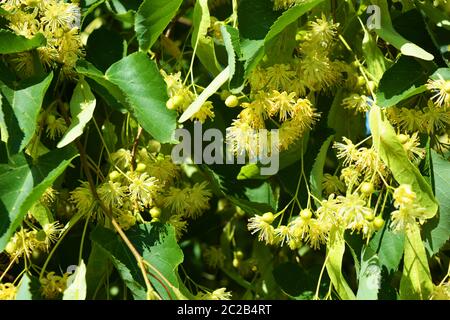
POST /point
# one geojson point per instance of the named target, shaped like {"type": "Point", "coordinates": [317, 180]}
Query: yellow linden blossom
{"type": "Point", "coordinates": [205, 112]}
{"type": "Point", "coordinates": [21, 244]}
{"type": "Point", "coordinates": [263, 226]}
{"type": "Point", "coordinates": [58, 21]}
{"type": "Point", "coordinates": [7, 291]}
{"type": "Point", "coordinates": [357, 103]}
{"type": "Point", "coordinates": [179, 224]}
{"type": "Point", "coordinates": [214, 257]}
{"type": "Point", "coordinates": [126, 219]}
{"type": "Point", "coordinates": [408, 210]}
{"type": "Point", "coordinates": [163, 169]}
{"type": "Point", "coordinates": [143, 189]}
{"type": "Point", "coordinates": [190, 201]}
{"type": "Point", "coordinates": [219, 294]}
{"type": "Point", "coordinates": [53, 286]}
{"type": "Point", "coordinates": [441, 88]}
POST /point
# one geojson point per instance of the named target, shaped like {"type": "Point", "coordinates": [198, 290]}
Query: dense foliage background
{"type": "Point", "coordinates": [92, 205]}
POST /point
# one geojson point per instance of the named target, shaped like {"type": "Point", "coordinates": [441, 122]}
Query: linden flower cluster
{"type": "Point", "coordinates": [430, 120]}
{"type": "Point", "coordinates": [58, 21]}
{"type": "Point", "coordinates": [351, 212]}
{"type": "Point", "coordinates": [153, 185]}
{"type": "Point", "coordinates": [28, 240]}
{"type": "Point", "coordinates": [278, 91]}
{"type": "Point", "coordinates": [362, 164]}
{"type": "Point", "coordinates": [181, 97]}
{"type": "Point", "coordinates": [52, 286]}
{"type": "Point", "coordinates": [408, 211]}
{"type": "Point", "coordinates": [25, 242]}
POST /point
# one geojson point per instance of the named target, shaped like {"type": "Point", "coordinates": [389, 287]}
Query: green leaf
{"type": "Point", "coordinates": [76, 284]}
{"type": "Point", "coordinates": [375, 60]}
{"type": "Point", "coordinates": [24, 289]}
{"type": "Point", "coordinates": [106, 89]}
{"type": "Point", "coordinates": [335, 254]}
{"type": "Point", "coordinates": [393, 154]}
{"type": "Point", "coordinates": [416, 282]}
{"type": "Point", "coordinates": [22, 183]}
{"type": "Point", "coordinates": [140, 80]}
{"type": "Point", "coordinates": [255, 18]}
{"type": "Point", "coordinates": [82, 107]}
{"type": "Point", "coordinates": [98, 268]}
{"type": "Point", "coordinates": [260, 25]}
{"type": "Point", "coordinates": [263, 194]}
{"type": "Point", "coordinates": [405, 79]}
{"type": "Point", "coordinates": [29, 288]}
{"type": "Point", "coordinates": [13, 43]}
{"type": "Point", "coordinates": [232, 45]}
{"type": "Point", "coordinates": [389, 247]}
{"type": "Point", "coordinates": [203, 44]}
{"type": "Point", "coordinates": [157, 245]}
{"type": "Point", "coordinates": [293, 279]}
{"type": "Point", "coordinates": [389, 34]}
{"type": "Point", "coordinates": [316, 177]}
{"type": "Point", "coordinates": [290, 16]}
{"type": "Point", "coordinates": [41, 213]}
{"type": "Point", "coordinates": [23, 106]}
{"type": "Point", "coordinates": [436, 15]}
{"type": "Point", "coordinates": [369, 276]}
{"type": "Point", "coordinates": [437, 230]}
{"type": "Point", "coordinates": [104, 47]}
{"type": "Point", "coordinates": [152, 18]}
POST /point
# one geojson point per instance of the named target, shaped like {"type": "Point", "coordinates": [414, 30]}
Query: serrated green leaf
{"type": "Point", "coordinates": [316, 177]}
{"type": "Point", "coordinates": [416, 282]}
{"type": "Point", "coordinates": [389, 34]}
{"type": "Point", "coordinates": [82, 107]}
{"type": "Point", "coordinates": [22, 183]}
{"type": "Point", "coordinates": [335, 254]}
{"type": "Point", "coordinates": [13, 43]}
{"type": "Point", "coordinates": [231, 40]}
{"type": "Point", "coordinates": [157, 245]}
{"type": "Point", "coordinates": [139, 79]}
{"type": "Point", "coordinates": [152, 18]}
{"type": "Point", "coordinates": [393, 154]}
{"type": "Point", "coordinates": [389, 247]}
{"type": "Point", "coordinates": [369, 277]}
{"type": "Point", "coordinates": [24, 106]}
{"type": "Point", "coordinates": [405, 79]}
{"type": "Point", "coordinates": [437, 230]}
{"type": "Point", "coordinates": [28, 288]}
{"type": "Point", "coordinates": [76, 284]}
